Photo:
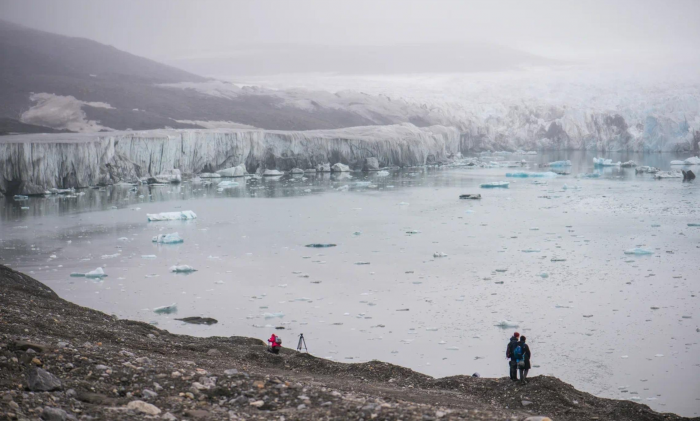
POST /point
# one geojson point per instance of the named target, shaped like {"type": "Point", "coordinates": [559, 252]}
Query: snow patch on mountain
{"type": "Point", "coordinates": [62, 112]}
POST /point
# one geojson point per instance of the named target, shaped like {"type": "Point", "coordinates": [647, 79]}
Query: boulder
{"type": "Point", "coordinates": [297, 171]}
{"type": "Point", "coordinates": [40, 380]}
{"type": "Point", "coordinates": [53, 414]}
{"type": "Point", "coordinates": [237, 171]}
{"type": "Point", "coordinates": [323, 167]}
{"type": "Point", "coordinates": [143, 407]}
{"type": "Point", "coordinates": [688, 175]}
{"type": "Point", "coordinates": [340, 168]}
{"type": "Point", "coordinates": [371, 164]}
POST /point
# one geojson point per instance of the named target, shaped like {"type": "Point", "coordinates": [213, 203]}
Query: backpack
{"type": "Point", "coordinates": [278, 340]}
{"type": "Point", "coordinates": [518, 353]}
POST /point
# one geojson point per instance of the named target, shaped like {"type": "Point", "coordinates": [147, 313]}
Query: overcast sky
{"type": "Point", "coordinates": [170, 30]}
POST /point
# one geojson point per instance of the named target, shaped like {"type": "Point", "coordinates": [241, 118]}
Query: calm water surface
{"type": "Point", "coordinates": [615, 325]}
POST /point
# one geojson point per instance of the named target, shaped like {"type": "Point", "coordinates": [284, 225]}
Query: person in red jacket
{"type": "Point", "coordinates": [275, 343]}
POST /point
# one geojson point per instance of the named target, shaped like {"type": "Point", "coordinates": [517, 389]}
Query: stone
{"type": "Point", "coordinates": [198, 414]}
{"type": "Point", "coordinates": [526, 403]}
{"type": "Point", "coordinates": [371, 164]}
{"type": "Point", "coordinates": [214, 352]}
{"type": "Point", "coordinates": [149, 394]}
{"type": "Point", "coordinates": [231, 372]}
{"type": "Point", "coordinates": [340, 168]}
{"type": "Point", "coordinates": [143, 407]}
{"type": "Point", "coordinates": [53, 414]}
{"type": "Point", "coordinates": [168, 416]}
{"type": "Point", "coordinates": [688, 175]}
{"type": "Point", "coordinates": [537, 418]}
{"type": "Point", "coordinates": [257, 404]}
{"type": "Point", "coordinates": [40, 380]}
{"type": "Point", "coordinates": [26, 346]}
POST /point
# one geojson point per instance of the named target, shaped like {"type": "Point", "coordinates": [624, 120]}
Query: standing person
{"type": "Point", "coordinates": [524, 367]}
{"type": "Point", "coordinates": [510, 353]}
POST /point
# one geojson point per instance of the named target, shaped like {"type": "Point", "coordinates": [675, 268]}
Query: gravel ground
{"type": "Point", "coordinates": [60, 361]}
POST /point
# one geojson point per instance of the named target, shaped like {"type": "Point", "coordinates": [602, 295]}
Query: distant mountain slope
{"type": "Point", "coordinates": [78, 71]}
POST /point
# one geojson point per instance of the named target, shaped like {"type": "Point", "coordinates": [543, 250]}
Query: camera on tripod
{"type": "Point", "coordinates": [302, 343]}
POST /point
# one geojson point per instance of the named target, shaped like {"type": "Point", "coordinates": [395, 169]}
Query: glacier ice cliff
{"type": "Point", "coordinates": [32, 164]}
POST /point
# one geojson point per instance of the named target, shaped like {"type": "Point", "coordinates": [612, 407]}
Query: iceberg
{"type": "Point", "coordinates": [297, 171]}
{"type": "Point", "coordinates": [237, 171]}
{"type": "Point", "coordinates": [646, 169]}
{"type": "Point", "coordinates": [171, 216]}
{"type": "Point", "coordinates": [272, 173]}
{"type": "Point", "coordinates": [639, 251]}
{"type": "Point", "coordinates": [439, 254]}
{"type": "Point", "coordinates": [173, 238]}
{"type": "Point", "coordinates": [97, 273]}
{"type": "Point", "coordinates": [495, 184]}
{"type": "Point", "coordinates": [382, 173]}
{"type": "Point", "coordinates": [694, 224]}
{"type": "Point", "coordinates": [340, 168]}
{"type": "Point", "coordinates": [209, 175]}
{"type": "Point", "coordinates": [602, 162]}
{"type": "Point", "coordinates": [318, 245]}
{"type": "Point", "coordinates": [182, 269]}
{"type": "Point", "coordinates": [560, 164]}
{"type": "Point", "coordinates": [668, 174]}
{"type": "Point", "coordinates": [547, 174]}
{"type": "Point", "coordinates": [226, 184]}
{"type": "Point", "coordinates": [172, 308]}
{"type": "Point", "coordinates": [694, 160]}
{"type": "Point", "coordinates": [628, 164]}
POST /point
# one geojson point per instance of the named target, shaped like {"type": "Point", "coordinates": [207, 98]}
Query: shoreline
{"type": "Point", "coordinates": [108, 368]}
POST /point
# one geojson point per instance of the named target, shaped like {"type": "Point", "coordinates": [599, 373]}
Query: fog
{"type": "Point", "coordinates": [243, 37]}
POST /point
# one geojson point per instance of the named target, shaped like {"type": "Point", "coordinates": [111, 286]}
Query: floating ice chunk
{"type": "Point", "coordinates": [544, 275]}
{"type": "Point", "coordinates": [272, 173]}
{"type": "Point", "coordinates": [110, 256]}
{"type": "Point", "coordinates": [172, 308]}
{"type": "Point", "coordinates": [412, 232]}
{"type": "Point", "coordinates": [97, 273]}
{"type": "Point", "coordinates": [382, 173]}
{"type": "Point", "coordinates": [171, 216]}
{"type": "Point", "coordinates": [560, 164]}
{"type": "Point", "coordinates": [646, 169]}
{"type": "Point", "coordinates": [148, 256]}
{"type": "Point", "coordinates": [690, 161]}
{"type": "Point", "coordinates": [505, 324]}
{"type": "Point", "coordinates": [273, 315]}
{"type": "Point", "coordinates": [531, 251]}
{"type": "Point", "coordinates": [363, 183]}
{"type": "Point", "coordinates": [238, 171]}
{"type": "Point", "coordinates": [320, 245]}
{"type": "Point", "coordinates": [694, 224]}
{"type": "Point", "coordinates": [439, 254]}
{"type": "Point", "coordinates": [173, 238]}
{"type": "Point", "coordinates": [340, 168]}
{"type": "Point", "coordinates": [227, 184]}
{"type": "Point", "coordinates": [628, 164]}
{"type": "Point", "coordinates": [589, 175]}
{"type": "Point", "coordinates": [19, 197]}
{"type": "Point", "coordinates": [470, 196]}
{"type": "Point", "coordinates": [668, 174]}
{"type": "Point", "coordinates": [431, 329]}
{"type": "Point", "coordinates": [452, 348]}
{"type": "Point", "coordinates": [182, 269]}
{"type": "Point", "coordinates": [547, 174]}
{"type": "Point", "coordinates": [602, 162]}
{"type": "Point", "coordinates": [362, 263]}
{"type": "Point", "coordinates": [495, 184]}
{"type": "Point", "coordinates": [638, 251]}
{"type": "Point", "coordinates": [209, 175]}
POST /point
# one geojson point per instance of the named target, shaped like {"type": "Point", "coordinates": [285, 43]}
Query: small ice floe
{"type": "Point", "coordinates": [182, 269]}
{"type": "Point", "coordinates": [273, 315]}
{"type": "Point", "coordinates": [272, 173]}
{"type": "Point", "coordinates": [110, 256]}
{"type": "Point", "coordinates": [646, 169]}
{"type": "Point", "coordinates": [690, 161]}
{"type": "Point", "coordinates": [361, 263]}
{"type": "Point", "coordinates": [560, 164]}
{"type": "Point", "coordinates": [439, 254]}
{"type": "Point", "coordinates": [495, 184]}
{"type": "Point", "coordinates": [602, 162]}
{"type": "Point", "coordinates": [544, 275]}
{"type": "Point", "coordinates": [694, 224]}
{"type": "Point", "coordinates": [668, 174]}
{"type": "Point", "coordinates": [382, 173]}
{"type": "Point", "coordinates": [412, 232]}
{"type": "Point", "coordinates": [97, 273]}
{"type": "Point", "coordinates": [470, 196]}
{"type": "Point", "coordinates": [171, 216]}
{"type": "Point", "coordinates": [431, 329]}
{"type": "Point", "coordinates": [20, 197]}
{"type": "Point", "coordinates": [505, 324]}
{"type": "Point", "coordinates": [320, 245]}
{"type": "Point", "coordinates": [173, 238]}
{"type": "Point", "coordinates": [637, 251]}
{"type": "Point", "coordinates": [589, 175]}
{"type": "Point", "coordinates": [547, 174]}
{"type": "Point", "coordinates": [172, 308]}
{"type": "Point", "coordinates": [148, 256]}
{"type": "Point", "coordinates": [531, 250]}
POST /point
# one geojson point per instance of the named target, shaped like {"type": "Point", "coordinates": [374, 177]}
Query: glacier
{"type": "Point", "coordinates": [32, 164]}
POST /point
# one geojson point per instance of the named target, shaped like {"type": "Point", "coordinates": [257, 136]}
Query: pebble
{"type": "Point", "coordinates": [143, 407]}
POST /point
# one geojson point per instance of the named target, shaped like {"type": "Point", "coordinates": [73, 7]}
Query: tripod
{"type": "Point", "coordinates": [302, 343]}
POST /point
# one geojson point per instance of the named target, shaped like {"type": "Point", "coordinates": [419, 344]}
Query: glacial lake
{"type": "Point", "coordinates": [545, 254]}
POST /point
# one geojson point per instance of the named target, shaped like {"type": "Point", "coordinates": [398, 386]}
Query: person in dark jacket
{"type": "Point", "coordinates": [526, 359]}
{"type": "Point", "coordinates": [509, 354]}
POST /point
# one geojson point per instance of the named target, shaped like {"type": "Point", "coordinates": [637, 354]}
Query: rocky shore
{"type": "Point", "coordinates": [60, 361]}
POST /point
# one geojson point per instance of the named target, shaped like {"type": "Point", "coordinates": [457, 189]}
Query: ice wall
{"type": "Point", "coordinates": [32, 164]}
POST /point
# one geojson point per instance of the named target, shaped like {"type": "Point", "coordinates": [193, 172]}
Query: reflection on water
{"type": "Point", "coordinates": [546, 255]}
